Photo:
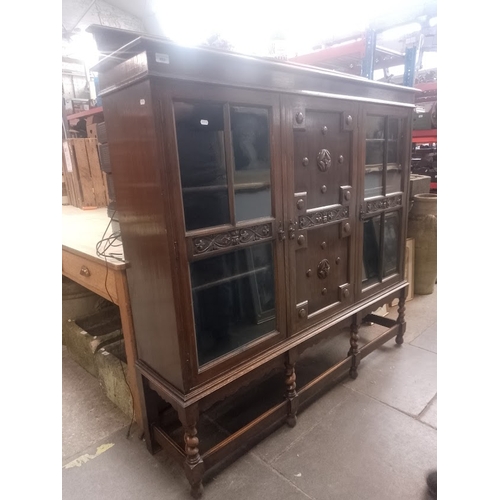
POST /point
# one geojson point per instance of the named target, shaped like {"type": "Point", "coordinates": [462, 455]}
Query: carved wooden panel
{"type": "Point", "coordinates": [328, 215]}
{"type": "Point", "coordinates": [323, 189]}
{"type": "Point", "coordinates": [322, 159]}
{"type": "Point", "coordinates": [380, 204]}
{"type": "Point", "coordinates": [219, 242]}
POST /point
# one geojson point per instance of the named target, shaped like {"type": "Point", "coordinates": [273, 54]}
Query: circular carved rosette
{"type": "Point", "coordinates": [324, 160]}
{"type": "Point", "coordinates": [323, 269]}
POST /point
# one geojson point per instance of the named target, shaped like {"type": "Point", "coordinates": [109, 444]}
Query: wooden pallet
{"type": "Point", "coordinates": [85, 181]}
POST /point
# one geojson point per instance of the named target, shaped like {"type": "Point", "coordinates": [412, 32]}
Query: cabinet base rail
{"type": "Point", "coordinates": [199, 466]}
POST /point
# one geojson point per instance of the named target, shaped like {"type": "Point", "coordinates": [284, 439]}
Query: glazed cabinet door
{"type": "Point", "coordinates": [320, 136]}
{"type": "Point", "coordinates": [385, 137]}
{"type": "Point", "coordinates": [228, 175]}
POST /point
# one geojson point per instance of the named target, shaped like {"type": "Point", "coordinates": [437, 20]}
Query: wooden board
{"type": "Point", "coordinates": [96, 173]}
{"type": "Point", "coordinates": [82, 164]}
{"type": "Point", "coordinates": [71, 174]}
{"type": "Point", "coordinates": [85, 181]}
{"type": "Point", "coordinates": [105, 182]}
{"type": "Point", "coordinates": [409, 270]}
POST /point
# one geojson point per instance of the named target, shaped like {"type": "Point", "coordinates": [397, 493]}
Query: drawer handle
{"type": "Point", "coordinates": [84, 271]}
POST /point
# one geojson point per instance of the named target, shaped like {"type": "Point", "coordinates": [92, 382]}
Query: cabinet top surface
{"type": "Point", "coordinates": [155, 56]}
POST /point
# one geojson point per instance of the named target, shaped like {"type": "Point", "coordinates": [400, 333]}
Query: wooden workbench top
{"type": "Point", "coordinates": [82, 229]}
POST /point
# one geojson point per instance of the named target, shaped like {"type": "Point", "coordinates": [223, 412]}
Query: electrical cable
{"type": "Point", "coordinates": [131, 396]}
{"type": "Point", "coordinates": [110, 242]}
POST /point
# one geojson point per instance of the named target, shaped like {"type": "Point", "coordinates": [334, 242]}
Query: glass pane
{"type": "Point", "coordinates": [252, 176]}
{"type": "Point", "coordinates": [373, 181]}
{"type": "Point", "coordinates": [371, 250]}
{"type": "Point", "coordinates": [392, 152]}
{"type": "Point", "coordinates": [393, 129]}
{"type": "Point", "coordinates": [374, 152]}
{"type": "Point", "coordinates": [394, 155]}
{"type": "Point", "coordinates": [375, 127]}
{"type": "Point", "coordinates": [393, 178]}
{"type": "Point", "coordinates": [374, 161]}
{"type": "Point", "coordinates": [200, 145]}
{"type": "Point", "coordinates": [391, 243]}
{"type": "Point", "coordinates": [233, 298]}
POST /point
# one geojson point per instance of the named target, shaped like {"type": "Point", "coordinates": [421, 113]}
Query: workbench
{"type": "Point", "coordinates": [105, 276]}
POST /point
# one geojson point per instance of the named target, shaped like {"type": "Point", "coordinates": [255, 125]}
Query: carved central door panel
{"type": "Point", "coordinates": [321, 211]}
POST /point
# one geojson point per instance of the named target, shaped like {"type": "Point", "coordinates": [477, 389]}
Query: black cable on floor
{"type": "Point", "coordinates": [131, 395]}
{"type": "Point", "coordinates": [109, 242]}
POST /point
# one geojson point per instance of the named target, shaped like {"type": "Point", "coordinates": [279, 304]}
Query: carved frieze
{"type": "Point", "coordinates": [236, 237]}
{"type": "Point", "coordinates": [333, 214]}
{"type": "Point", "coordinates": [383, 204]}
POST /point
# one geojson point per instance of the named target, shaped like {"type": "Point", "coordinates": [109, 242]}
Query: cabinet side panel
{"type": "Point", "coordinates": [136, 166]}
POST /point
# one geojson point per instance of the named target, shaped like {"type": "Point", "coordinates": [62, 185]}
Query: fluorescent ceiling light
{"type": "Point", "coordinates": [83, 47]}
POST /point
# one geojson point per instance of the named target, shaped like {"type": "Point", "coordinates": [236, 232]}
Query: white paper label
{"type": "Point", "coordinates": [162, 58]}
{"type": "Point", "coordinates": [67, 156]}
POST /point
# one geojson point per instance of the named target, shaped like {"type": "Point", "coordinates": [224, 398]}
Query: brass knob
{"type": "Point", "coordinates": [302, 313]}
{"type": "Point", "coordinates": [323, 189]}
{"type": "Point", "coordinates": [323, 245]}
{"type": "Point", "coordinates": [324, 130]}
{"type": "Point", "coordinates": [300, 204]}
{"type": "Point", "coordinates": [341, 159]}
{"type": "Point", "coordinates": [301, 239]}
{"type": "Point", "coordinates": [305, 161]}
{"type": "Point", "coordinates": [345, 292]}
{"type": "Point", "coordinates": [308, 273]}
{"type": "Point", "coordinates": [337, 261]}
{"type": "Point", "coordinates": [347, 228]}
{"type": "Point", "coordinates": [299, 117]}
{"type": "Point", "coordinates": [347, 195]}
{"type": "Point", "coordinates": [84, 271]}
{"type": "Point", "coordinates": [348, 120]}
{"type": "Point", "coordinates": [323, 292]}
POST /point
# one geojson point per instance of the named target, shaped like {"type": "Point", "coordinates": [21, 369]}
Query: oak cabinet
{"type": "Point", "coordinates": [263, 206]}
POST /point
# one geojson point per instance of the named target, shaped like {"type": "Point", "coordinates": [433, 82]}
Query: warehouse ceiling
{"type": "Point", "coordinates": [144, 10]}
{"type": "Point", "coordinates": [139, 8]}
{"type": "Point", "coordinates": [167, 20]}
{"type": "Point", "coordinates": [405, 11]}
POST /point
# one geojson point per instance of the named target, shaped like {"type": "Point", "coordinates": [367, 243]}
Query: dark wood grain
{"type": "Point", "coordinates": [131, 131]}
{"type": "Point", "coordinates": [317, 129]}
{"type": "Point", "coordinates": [210, 66]}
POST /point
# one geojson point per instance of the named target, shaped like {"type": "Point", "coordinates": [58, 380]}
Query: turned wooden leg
{"type": "Point", "coordinates": [401, 317]}
{"type": "Point", "coordinates": [291, 394]}
{"type": "Point", "coordinates": [354, 350]}
{"type": "Point", "coordinates": [193, 466]}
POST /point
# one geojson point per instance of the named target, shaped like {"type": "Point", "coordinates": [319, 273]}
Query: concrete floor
{"type": "Point", "coordinates": [373, 438]}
